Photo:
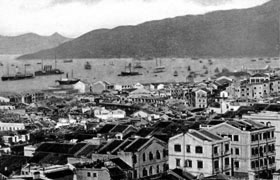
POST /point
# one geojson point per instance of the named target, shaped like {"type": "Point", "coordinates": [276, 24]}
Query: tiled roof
{"type": "Point", "coordinates": [136, 144]}
{"type": "Point", "coordinates": [109, 146]}
{"type": "Point", "coordinates": [121, 164]}
{"type": "Point", "coordinates": [123, 145]}
{"type": "Point", "coordinates": [106, 129]}
{"type": "Point", "coordinates": [119, 128]}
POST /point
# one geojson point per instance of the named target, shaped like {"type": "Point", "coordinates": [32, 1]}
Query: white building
{"type": "Point", "coordinates": [200, 152]}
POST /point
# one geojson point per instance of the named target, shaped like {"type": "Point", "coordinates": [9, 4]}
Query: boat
{"type": "Point", "coordinates": [68, 61]}
{"type": "Point", "coordinates": [1, 64]}
{"type": "Point", "coordinates": [129, 72]}
{"type": "Point", "coordinates": [175, 73]}
{"type": "Point", "coordinates": [17, 76]}
{"type": "Point", "coordinates": [87, 66]}
{"type": "Point", "coordinates": [39, 63]}
{"type": "Point", "coordinates": [27, 64]}
{"type": "Point", "coordinates": [267, 61]}
{"type": "Point", "coordinates": [253, 60]}
{"type": "Point", "coordinates": [159, 68]}
{"type": "Point", "coordinates": [67, 81]}
{"type": "Point", "coordinates": [138, 65]}
{"type": "Point", "coordinates": [48, 70]}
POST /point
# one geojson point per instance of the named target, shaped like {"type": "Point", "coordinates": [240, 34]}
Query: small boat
{"type": "Point", "coordinates": [253, 60]}
{"type": "Point", "coordinates": [68, 61]}
{"type": "Point", "coordinates": [138, 65]}
{"type": "Point", "coordinates": [87, 66]}
{"type": "Point", "coordinates": [129, 72]}
{"type": "Point", "coordinates": [39, 63]}
{"type": "Point", "coordinates": [175, 73]}
{"type": "Point", "coordinates": [1, 64]}
{"type": "Point", "coordinates": [195, 58]}
{"type": "Point", "coordinates": [260, 59]}
{"type": "Point", "coordinates": [267, 61]}
{"type": "Point", "coordinates": [200, 61]}
{"type": "Point", "coordinates": [27, 64]}
{"type": "Point", "coordinates": [12, 65]}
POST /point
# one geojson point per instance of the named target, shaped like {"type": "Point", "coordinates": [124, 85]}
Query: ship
{"type": "Point", "coordinates": [159, 68]}
{"type": "Point", "coordinates": [68, 61]}
{"type": "Point", "coordinates": [17, 76]}
{"type": "Point", "coordinates": [48, 70]}
{"type": "Point", "coordinates": [138, 65]}
{"type": "Point", "coordinates": [67, 81]}
{"type": "Point", "coordinates": [129, 72]}
{"type": "Point", "coordinates": [87, 66]}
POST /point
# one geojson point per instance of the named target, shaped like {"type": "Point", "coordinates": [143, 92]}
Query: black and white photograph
{"type": "Point", "coordinates": [140, 90]}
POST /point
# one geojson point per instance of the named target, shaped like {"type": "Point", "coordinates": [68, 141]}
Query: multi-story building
{"type": "Point", "coordinates": [200, 152]}
{"type": "Point", "coordinates": [146, 156]}
{"type": "Point", "coordinates": [253, 146]}
{"type": "Point", "coordinates": [201, 98]}
{"type": "Point", "coordinates": [269, 118]}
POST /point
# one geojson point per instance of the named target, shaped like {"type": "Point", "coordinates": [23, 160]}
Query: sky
{"type": "Point", "coordinates": [73, 18]}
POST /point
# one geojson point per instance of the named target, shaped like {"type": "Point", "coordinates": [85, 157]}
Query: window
{"type": "Point", "coordinates": [157, 169]}
{"type": "Point", "coordinates": [151, 157]}
{"type": "Point", "coordinates": [165, 153]}
{"type": "Point", "coordinates": [226, 161]}
{"type": "Point", "coordinates": [144, 157]}
{"type": "Point", "coordinates": [151, 170]}
{"type": "Point", "coordinates": [88, 174]}
{"type": "Point", "coordinates": [252, 137]}
{"type": "Point", "coordinates": [236, 151]}
{"type": "Point", "coordinates": [199, 164]}
{"type": "Point", "coordinates": [94, 175]}
{"type": "Point", "coordinates": [158, 154]}
{"type": "Point", "coordinates": [216, 150]}
{"type": "Point", "coordinates": [177, 148]}
{"type": "Point", "coordinates": [188, 148]}
{"type": "Point", "coordinates": [235, 138]}
{"type": "Point", "coordinates": [198, 149]}
{"type": "Point", "coordinates": [144, 172]}
{"type": "Point", "coordinates": [226, 147]}
{"type": "Point", "coordinates": [236, 164]}
{"type": "Point", "coordinates": [134, 159]}
{"type": "Point", "coordinates": [178, 162]}
{"type": "Point", "coordinates": [216, 164]}
{"type": "Point", "coordinates": [252, 164]}
{"type": "Point", "coordinates": [188, 163]}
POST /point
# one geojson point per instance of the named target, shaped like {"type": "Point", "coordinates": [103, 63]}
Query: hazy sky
{"type": "Point", "coordinates": [75, 17]}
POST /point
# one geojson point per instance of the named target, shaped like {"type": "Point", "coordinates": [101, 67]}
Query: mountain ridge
{"type": "Point", "coordinates": [29, 43]}
{"type": "Point", "coordinates": [226, 33]}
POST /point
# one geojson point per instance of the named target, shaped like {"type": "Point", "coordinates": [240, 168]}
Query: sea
{"type": "Point", "coordinates": [108, 70]}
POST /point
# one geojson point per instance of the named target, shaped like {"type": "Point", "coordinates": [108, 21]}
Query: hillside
{"type": "Point", "coordinates": [29, 43]}
{"type": "Point", "coordinates": [232, 33]}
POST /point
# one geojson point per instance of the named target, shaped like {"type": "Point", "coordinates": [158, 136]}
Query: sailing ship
{"type": "Point", "coordinates": [47, 70]}
{"type": "Point", "coordinates": [129, 72]}
{"type": "Point", "coordinates": [87, 66]}
{"type": "Point", "coordinates": [159, 68]}
{"type": "Point", "coordinates": [17, 75]}
{"type": "Point", "coordinates": [68, 81]}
